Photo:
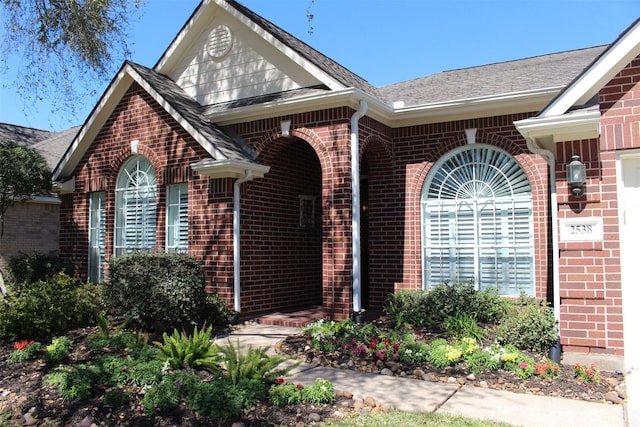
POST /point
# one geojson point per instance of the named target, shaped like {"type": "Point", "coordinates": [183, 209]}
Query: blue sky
{"type": "Point", "coordinates": [383, 41]}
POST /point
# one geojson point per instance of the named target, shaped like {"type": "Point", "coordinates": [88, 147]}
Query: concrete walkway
{"type": "Point", "coordinates": [423, 396]}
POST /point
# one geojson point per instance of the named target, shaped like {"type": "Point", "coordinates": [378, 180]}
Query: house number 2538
{"type": "Point", "coordinates": [581, 229]}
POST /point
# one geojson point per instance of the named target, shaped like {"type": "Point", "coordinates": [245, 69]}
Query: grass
{"type": "Point", "coordinates": [410, 419]}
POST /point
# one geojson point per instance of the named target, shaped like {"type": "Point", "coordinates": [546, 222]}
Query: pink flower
{"type": "Point", "coordinates": [524, 365]}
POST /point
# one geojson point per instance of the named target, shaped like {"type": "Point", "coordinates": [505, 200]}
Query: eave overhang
{"type": "Point", "coordinates": [461, 109]}
{"type": "Point", "coordinates": [546, 132]}
{"type": "Point", "coordinates": [228, 168]}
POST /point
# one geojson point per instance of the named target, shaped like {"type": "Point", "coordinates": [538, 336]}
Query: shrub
{"type": "Point", "coordinates": [159, 291]}
{"type": "Point", "coordinates": [219, 398]}
{"type": "Point", "coordinates": [463, 325]}
{"type": "Point", "coordinates": [194, 351]}
{"type": "Point", "coordinates": [408, 307]}
{"type": "Point", "coordinates": [449, 300]}
{"type": "Point", "coordinates": [529, 325]}
{"type": "Point", "coordinates": [162, 397]}
{"type": "Point", "coordinates": [58, 350]}
{"type": "Point", "coordinates": [74, 383]}
{"type": "Point", "coordinates": [46, 308]}
{"type": "Point", "coordinates": [37, 266]}
{"type": "Point", "coordinates": [23, 351]}
{"type": "Point", "coordinates": [318, 393]}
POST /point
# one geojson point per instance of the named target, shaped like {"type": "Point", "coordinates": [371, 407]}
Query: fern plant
{"type": "Point", "coordinates": [253, 364]}
{"type": "Point", "coordinates": [195, 351]}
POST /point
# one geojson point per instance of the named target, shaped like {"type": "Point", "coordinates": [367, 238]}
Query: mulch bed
{"type": "Point", "coordinates": [25, 400]}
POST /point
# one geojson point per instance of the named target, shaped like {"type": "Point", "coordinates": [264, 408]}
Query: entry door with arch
{"type": "Point", "coordinates": [629, 205]}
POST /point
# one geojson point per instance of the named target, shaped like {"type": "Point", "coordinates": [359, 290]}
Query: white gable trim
{"type": "Point", "coordinates": [105, 108]}
{"type": "Point", "coordinates": [601, 71]}
{"type": "Point", "coordinates": [203, 12]}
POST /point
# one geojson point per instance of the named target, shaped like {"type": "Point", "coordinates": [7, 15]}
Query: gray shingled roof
{"type": "Point", "coordinates": [540, 72]}
{"type": "Point", "coordinates": [51, 145]}
{"type": "Point", "coordinates": [190, 110]}
{"type": "Point", "coordinates": [22, 135]}
{"type": "Point", "coordinates": [329, 66]}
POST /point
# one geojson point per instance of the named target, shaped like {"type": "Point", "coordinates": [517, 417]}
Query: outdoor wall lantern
{"type": "Point", "coordinates": [576, 176]}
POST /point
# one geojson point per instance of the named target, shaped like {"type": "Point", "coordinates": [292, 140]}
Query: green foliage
{"type": "Point", "coordinates": [407, 307]}
{"type": "Point", "coordinates": [23, 351]}
{"type": "Point", "coordinates": [442, 354]}
{"type": "Point", "coordinates": [481, 361]}
{"type": "Point", "coordinates": [162, 397]}
{"type": "Point", "coordinates": [319, 393]}
{"type": "Point", "coordinates": [218, 398]}
{"type": "Point", "coordinates": [36, 266]}
{"type": "Point", "coordinates": [159, 291]}
{"type": "Point", "coordinates": [463, 325]}
{"type": "Point", "coordinates": [434, 307]}
{"type": "Point", "coordinates": [586, 374]}
{"type": "Point", "coordinates": [285, 394]}
{"type": "Point", "coordinates": [58, 350]}
{"type": "Point", "coordinates": [252, 364]}
{"type": "Point", "coordinates": [529, 325]}
{"type": "Point", "coordinates": [46, 308]}
{"type": "Point", "coordinates": [523, 366]}
{"type": "Point", "coordinates": [24, 174]}
{"type": "Point", "coordinates": [74, 383]}
{"type": "Point", "coordinates": [326, 335]}
{"type": "Point", "coordinates": [194, 351]}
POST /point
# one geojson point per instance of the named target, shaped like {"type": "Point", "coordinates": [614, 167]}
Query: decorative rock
{"type": "Point", "coordinates": [338, 414]}
{"type": "Point", "coordinates": [433, 378]}
{"type": "Point", "coordinates": [238, 424]}
{"type": "Point", "coordinates": [451, 380]}
{"type": "Point", "coordinates": [622, 392]}
{"type": "Point", "coordinates": [471, 377]}
{"type": "Point", "coordinates": [613, 382]}
{"type": "Point", "coordinates": [418, 373]}
{"type": "Point", "coordinates": [358, 405]}
{"type": "Point", "coordinates": [612, 397]}
{"type": "Point", "coordinates": [344, 393]}
{"type": "Point", "coordinates": [483, 384]}
{"type": "Point", "coordinates": [314, 417]}
{"type": "Point", "coordinates": [86, 421]}
{"type": "Point", "coordinates": [350, 363]}
{"type": "Point", "coordinates": [461, 381]}
{"type": "Point", "coordinates": [387, 371]}
{"type": "Point", "coordinates": [375, 410]}
{"type": "Point", "coordinates": [371, 402]}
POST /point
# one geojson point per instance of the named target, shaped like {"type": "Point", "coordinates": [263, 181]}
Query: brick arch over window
{"type": "Point", "coordinates": [536, 170]}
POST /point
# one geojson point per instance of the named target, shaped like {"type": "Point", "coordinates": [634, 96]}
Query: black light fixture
{"type": "Point", "coordinates": [576, 176]}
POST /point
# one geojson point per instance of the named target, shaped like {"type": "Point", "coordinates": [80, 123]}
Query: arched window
{"type": "Point", "coordinates": [477, 222]}
{"type": "Point", "coordinates": [135, 207]}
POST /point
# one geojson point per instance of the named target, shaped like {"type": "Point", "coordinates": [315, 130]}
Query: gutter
{"type": "Point", "coordinates": [355, 211]}
{"type": "Point", "coordinates": [236, 237]}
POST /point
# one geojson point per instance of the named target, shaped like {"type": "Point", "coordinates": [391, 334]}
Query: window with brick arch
{"type": "Point", "coordinates": [135, 228]}
{"type": "Point", "coordinates": [477, 224]}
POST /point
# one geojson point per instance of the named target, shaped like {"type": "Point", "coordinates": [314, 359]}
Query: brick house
{"type": "Point", "coordinates": [33, 226]}
{"type": "Point", "coordinates": [299, 184]}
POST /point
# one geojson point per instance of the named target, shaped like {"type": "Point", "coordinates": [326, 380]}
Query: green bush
{"type": "Point", "coordinates": [46, 308]}
{"type": "Point", "coordinates": [58, 350]}
{"type": "Point", "coordinates": [162, 397]}
{"type": "Point", "coordinates": [463, 325]}
{"type": "Point", "coordinates": [159, 292]}
{"type": "Point", "coordinates": [408, 307]}
{"type": "Point", "coordinates": [37, 266]}
{"type": "Point", "coordinates": [528, 325]}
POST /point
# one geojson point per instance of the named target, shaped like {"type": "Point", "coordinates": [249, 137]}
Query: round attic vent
{"type": "Point", "coordinates": [220, 41]}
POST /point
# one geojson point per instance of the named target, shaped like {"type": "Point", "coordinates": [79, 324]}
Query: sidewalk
{"type": "Point", "coordinates": [423, 396]}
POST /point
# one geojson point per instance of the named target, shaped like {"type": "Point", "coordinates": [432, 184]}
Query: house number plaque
{"type": "Point", "coordinates": [588, 229]}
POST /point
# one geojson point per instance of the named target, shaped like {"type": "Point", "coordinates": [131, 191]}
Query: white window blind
{"type": "Point", "coordinates": [135, 207]}
{"type": "Point", "coordinates": [96, 236]}
{"type": "Point", "coordinates": [477, 222]}
{"type": "Point", "coordinates": [177, 220]}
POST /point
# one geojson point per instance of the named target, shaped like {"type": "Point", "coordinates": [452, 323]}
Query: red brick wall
{"type": "Point", "coordinates": [29, 227]}
{"type": "Point", "coordinates": [591, 306]}
{"type": "Point", "coordinates": [417, 149]}
{"type": "Point", "coordinates": [171, 150]}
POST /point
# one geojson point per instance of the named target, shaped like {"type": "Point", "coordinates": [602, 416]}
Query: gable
{"type": "Point", "coordinates": [222, 55]}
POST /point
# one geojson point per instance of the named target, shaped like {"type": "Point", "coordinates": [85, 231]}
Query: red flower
{"type": "Point", "coordinates": [280, 380]}
{"type": "Point", "coordinates": [21, 345]}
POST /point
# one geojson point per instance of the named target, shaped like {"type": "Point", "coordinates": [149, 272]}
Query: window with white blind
{"type": "Point", "coordinates": [177, 221]}
{"type": "Point", "coordinates": [96, 236]}
{"type": "Point", "coordinates": [477, 222]}
{"type": "Point", "coordinates": [135, 229]}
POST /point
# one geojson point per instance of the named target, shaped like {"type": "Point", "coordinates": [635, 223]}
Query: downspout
{"type": "Point", "coordinates": [355, 211]}
{"type": "Point", "coordinates": [236, 239]}
{"type": "Point", "coordinates": [555, 259]}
